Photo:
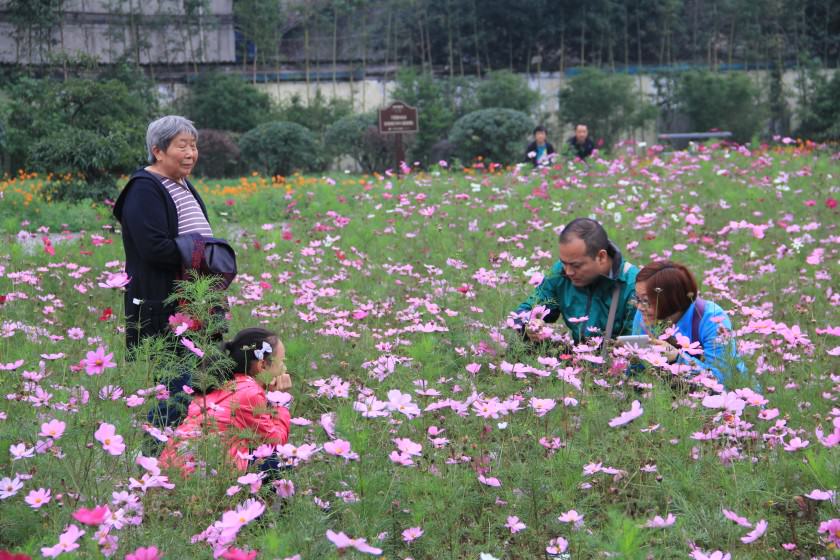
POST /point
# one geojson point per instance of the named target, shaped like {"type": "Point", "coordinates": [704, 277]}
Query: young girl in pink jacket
{"type": "Point", "coordinates": [238, 411]}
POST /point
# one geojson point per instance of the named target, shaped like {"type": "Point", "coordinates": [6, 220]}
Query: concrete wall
{"type": "Point", "coordinates": [372, 94]}
{"type": "Point", "coordinates": [91, 27]}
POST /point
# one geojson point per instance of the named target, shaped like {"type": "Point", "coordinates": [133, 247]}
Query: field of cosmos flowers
{"type": "Point", "coordinates": [422, 425]}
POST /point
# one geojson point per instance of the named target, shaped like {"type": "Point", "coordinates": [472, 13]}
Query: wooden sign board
{"type": "Point", "coordinates": [398, 118]}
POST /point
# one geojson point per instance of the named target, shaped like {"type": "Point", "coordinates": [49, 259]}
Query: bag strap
{"type": "Point", "coordinates": [198, 251]}
{"type": "Point", "coordinates": [611, 318]}
{"type": "Point", "coordinates": [696, 317]}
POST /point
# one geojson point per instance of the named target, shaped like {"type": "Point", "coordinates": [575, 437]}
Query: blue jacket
{"type": "Point", "coordinates": [562, 298]}
{"type": "Point", "coordinates": [719, 356]}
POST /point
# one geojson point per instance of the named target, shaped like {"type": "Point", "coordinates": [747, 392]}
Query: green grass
{"type": "Point", "coordinates": [398, 269]}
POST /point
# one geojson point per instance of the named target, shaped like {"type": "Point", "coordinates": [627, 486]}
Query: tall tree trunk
{"type": "Point", "coordinates": [563, 47]}
{"type": "Point", "coordinates": [335, 50]}
{"type": "Point", "coordinates": [626, 39]}
{"type": "Point", "coordinates": [475, 39]}
{"type": "Point", "coordinates": [306, 55]}
{"type": "Point", "coordinates": [583, 36]}
{"type": "Point", "coordinates": [450, 41]}
{"type": "Point", "coordinates": [731, 41]}
{"type": "Point", "coordinates": [364, 58]}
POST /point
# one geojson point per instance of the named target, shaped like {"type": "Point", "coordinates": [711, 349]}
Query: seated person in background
{"type": "Point", "coordinates": [540, 149]}
{"type": "Point", "coordinates": [580, 145]}
{"type": "Point", "coordinates": [239, 406]}
{"type": "Point", "coordinates": [666, 295]}
{"type": "Point", "coordinates": [590, 274]}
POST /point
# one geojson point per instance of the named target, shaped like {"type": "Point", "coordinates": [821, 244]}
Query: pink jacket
{"type": "Point", "coordinates": [243, 410]}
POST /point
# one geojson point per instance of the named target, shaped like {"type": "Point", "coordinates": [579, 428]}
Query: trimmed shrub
{"type": "Point", "coordinates": [54, 125]}
{"type": "Point", "coordinates": [224, 102]}
{"type": "Point", "coordinates": [317, 115]}
{"type": "Point", "coordinates": [82, 163]}
{"type": "Point", "coordinates": [434, 110]}
{"type": "Point", "coordinates": [721, 101]}
{"type": "Point", "coordinates": [358, 136]}
{"type": "Point", "coordinates": [503, 88]}
{"type": "Point", "coordinates": [607, 103]}
{"type": "Point", "coordinates": [280, 148]}
{"type": "Point", "coordinates": [497, 135]}
{"type": "Point", "coordinates": [820, 107]}
{"type": "Point", "coordinates": [218, 154]}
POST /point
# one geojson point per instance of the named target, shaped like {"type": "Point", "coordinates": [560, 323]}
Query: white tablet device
{"type": "Point", "coordinates": [640, 340]}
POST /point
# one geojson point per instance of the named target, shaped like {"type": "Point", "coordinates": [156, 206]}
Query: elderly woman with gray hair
{"type": "Point", "coordinates": [157, 205]}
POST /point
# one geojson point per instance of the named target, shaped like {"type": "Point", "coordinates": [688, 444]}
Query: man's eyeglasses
{"type": "Point", "coordinates": [641, 302]}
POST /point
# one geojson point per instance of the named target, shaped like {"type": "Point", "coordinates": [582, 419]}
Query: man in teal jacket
{"type": "Point", "coordinates": [583, 283]}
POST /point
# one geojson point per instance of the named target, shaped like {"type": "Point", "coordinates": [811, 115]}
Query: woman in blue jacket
{"type": "Point", "coordinates": [666, 294]}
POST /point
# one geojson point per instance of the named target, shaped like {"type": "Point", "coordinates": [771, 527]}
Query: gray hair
{"type": "Point", "coordinates": [161, 132]}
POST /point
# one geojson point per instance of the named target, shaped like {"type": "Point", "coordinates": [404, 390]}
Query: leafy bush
{"type": "Point", "coordinates": [82, 163]}
{"type": "Point", "coordinates": [317, 115]}
{"type": "Point", "coordinates": [607, 103]}
{"type": "Point", "coordinates": [721, 101]}
{"type": "Point", "coordinates": [820, 107]}
{"type": "Point", "coordinates": [507, 90]}
{"type": "Point", "coordinates": [224, 102]}
{"type": "Point", "coordinates": [358, 136]}
{"type": "Point", "coordinates": [280, 148]}
{"type": "Point", "coordinates": [495, 134]}
{"type": "Point", "coordinates": [84, 132]}
{"type": "Point", "coordinates": [434, 110]}
{"type": "Point", "coordinates": [40, 109]}
{"type": "Point", "coordinates": [218, 154]}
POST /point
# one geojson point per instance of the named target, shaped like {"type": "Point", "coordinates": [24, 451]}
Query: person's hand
{"type": "Point", "coordinates": [667, 349]}
{"type": "Point", "coordinates": [535, 330]}
{"type": "Point", "coordinates": [282, 382]}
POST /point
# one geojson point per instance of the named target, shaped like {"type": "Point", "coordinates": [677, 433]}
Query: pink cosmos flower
{"type": "Point", "coordinates": [97, 362]}
{"type": "Point", "coordinates": [118, 280]}
{"type": "Point", "coordinates": [9, 487]}
{"type": "Point", "coordinates": [514, 524]}
{"type": "Point", "coordinates": [628, 416]}
{"type": "Point", "coordinates": [11, 366]}
{"type": "Point", "coordinates": [53, 429]}
{"type": "Point", "coordinates": [473, 368]}
{"type": "Point", "coordinates": [734, 517]}
{"type": "Point", "coordinates": [192, 347]}
{"type": "Point", "coordinates": [66, 542]}
{"type": "Point", "coordinates": [340, 448]}
{"type": "Point", "coordinates": [658, 523]}
{"type": "Point", "coordinates": [284, 488]}
{"type": "Point", "coordinates": [727, 401]}
{"type": "Point", "coordinates": [571, 516]}
{"type": "Point", "coordinates": [38, 498]}
{"type": "Point", "coordinates": [768, 413]}
{"type": "Point", "coordinates": [698, 554]}
{"type": "Point", "coordinates": [343, 542]}
{"type": "Point", "coordinates": [234, 553]}
{"type": "Point", "coordinates": [20, 451]}
{"type": "Point", "coordinates": [832, 530]}
{"type": "Point", "coordinates": [796, 444]}
{"type": "Point", "coordinates": [401, 402]}
{"type": "Point", "coordinates": [110, 440]}
{"type": "Point", "coordinates": [542, 406]}
{"type": "Point", "coordinates": [150, 464]}
{"type": "Point", "coordinates": [95, 516]}
{"type": "Point", "coordinates": [408, 447]}
{"type": "Point", "coordinates": [412, 533]}
{"type": "Point", "coordinates": [821, 495]}
{"type": "Point", "coordinates": [489, 481]}
{"type": "Point", "coordinates": [756, 533]}
{"type": "Point", "coordinates": [244, 513]}
{"type": "Point", "coordinates": [557, 546]}
{"type": "Point", "coordinates": [150, 553]}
